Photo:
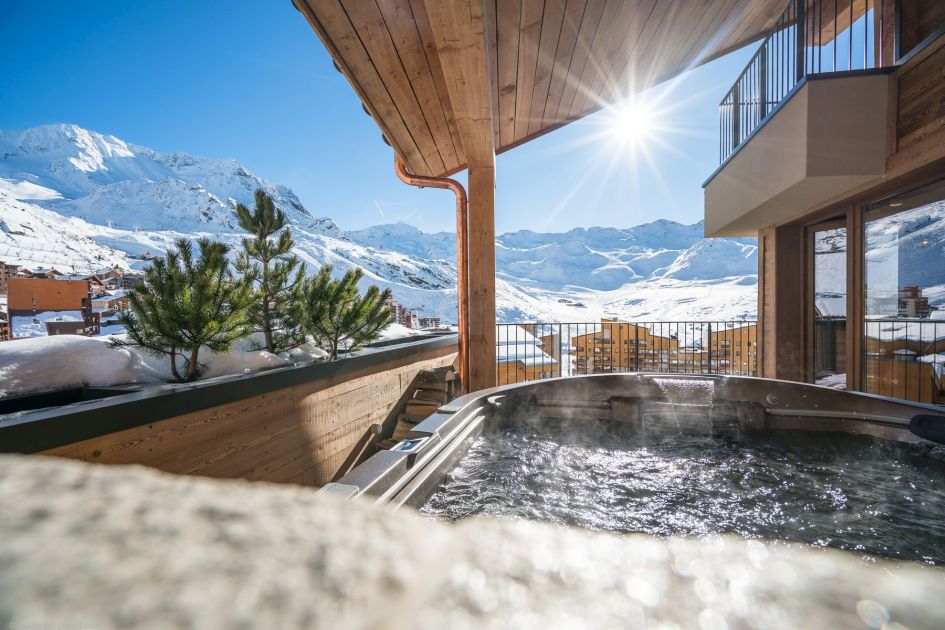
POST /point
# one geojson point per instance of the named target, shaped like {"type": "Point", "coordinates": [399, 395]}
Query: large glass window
{"type": "Point", "coordinates": [830, 307]}
{"type": "Point", "coordinates": [904, 330]}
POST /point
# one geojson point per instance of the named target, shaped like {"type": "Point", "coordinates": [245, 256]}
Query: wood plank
{"type": "Point", "coordinates": [586, 34]}
{"type": "Point", "coordinates": [330, 22]}
{"type": "Point", "coordinates": [595, 56]}
{"type": "Point", "coordinates": [564, 52]}
{"type": "Point", "coordinates": [404, 29]}
{"type": "Point", "coordinates": [291, 435]}
{"type": "Point", "coordinates": [628, 76]}
{"type": "Point", "coordinates": [921, 100]}
{"type": "Point", "coordinates": [508, 22]}
{"type": "Point", "coordinates": [650, 60]}
{"type": "Point", "coordinates": [490, 26]}
{"type": "Point", "coordinates": [552, 21]}
{"type": "Point", "coordinates": [433, 60]}
{"type": "Point", "coordinates": [460, 41]}
{"type": "Point", "coordinates": [710, 22]}
{"type": "Point", "coordinates": [529, 39]}
{"type": "Point", "coordinates": [628, 25]}
{"type": "Point", "coordinates": [376, 39]}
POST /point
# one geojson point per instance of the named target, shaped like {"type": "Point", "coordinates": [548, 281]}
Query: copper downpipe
{"type": "Point", "coordinates": [462, 254]}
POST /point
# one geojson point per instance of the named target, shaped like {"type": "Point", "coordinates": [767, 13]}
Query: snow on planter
{"type": "Point", "coordinates": [42, 363]}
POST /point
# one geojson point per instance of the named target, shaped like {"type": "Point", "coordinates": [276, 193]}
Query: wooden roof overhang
{"type": "Point", "coordinates": [449, 81]}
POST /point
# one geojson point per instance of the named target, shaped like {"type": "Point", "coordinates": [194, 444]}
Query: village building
{"type": "Point", "coordinates": [7, 271]}
{"type": "Point", "coordinates": [131, 279]}
{"type": "Point", "coordinates": [32, 302]}
{"type": "Point", "coordinates": [109, 302]}
{"type": "Point", "coordinates": [520, 356]}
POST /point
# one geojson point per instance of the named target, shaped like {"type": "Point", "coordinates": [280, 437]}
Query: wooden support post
{"type": "Point", "coordinates": [461, 42]}
{"type": "Point", "coordinates": [781, 303]}
{"type": "Point", "coordinates": [482, 324]}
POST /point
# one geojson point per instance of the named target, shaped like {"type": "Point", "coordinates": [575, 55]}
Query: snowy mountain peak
{"type": "Point", "coordinates": [88, 148]}
{"type": "Point", "coordinates": [81, 200]}
{"type": "Point", "coordinates": [104, 179]}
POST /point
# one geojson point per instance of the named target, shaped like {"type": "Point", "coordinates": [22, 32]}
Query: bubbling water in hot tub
{"type": "Point", "coordinates": [685, 474]}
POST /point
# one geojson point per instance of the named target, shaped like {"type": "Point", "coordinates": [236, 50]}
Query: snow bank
{"type": "Point", "coordinates": [398, 331]}
{"type": "Point", "coordinates": [35, 325]}
{"type": "Point", "coordinates": [44, 363]}
{"type": "Point", "coordinates": [29, 365]}
{"type": "Point", "coordinates": [238, 362]}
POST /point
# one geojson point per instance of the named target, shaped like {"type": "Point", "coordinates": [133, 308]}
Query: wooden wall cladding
{"type": "Point", "coordinates": [920, 109]}
{"type": "Point", "coordinates": [299, 434]}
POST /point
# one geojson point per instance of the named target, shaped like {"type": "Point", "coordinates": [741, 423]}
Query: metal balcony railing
{"type": "Point", "coordinates": [536, 350]}
{"type": "Point", "coordinates": [810, 37]}
{"type": "Point", "coordinates": [905, 358]}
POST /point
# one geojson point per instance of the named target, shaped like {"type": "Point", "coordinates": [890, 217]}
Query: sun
{"type": "Point", "coordinates": [633, 123]}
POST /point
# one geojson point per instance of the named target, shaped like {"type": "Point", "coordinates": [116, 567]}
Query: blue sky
{"type": "Point", "coordinates": [249, 79]}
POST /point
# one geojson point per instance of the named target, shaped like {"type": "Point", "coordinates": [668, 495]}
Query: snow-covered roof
{"type": "Point", "coordinates": [911, 330]}
{"type": "Point", "coordinates": [69, 277]}
{"type": "Point", "coordinates": [831, 305]}
{"type": "Point", "coordinates": [509, 334]}
{"type": "Point", "coordinates": [515, 344]}
{"type": "Point", "coordinates": [35, 325]}
{"type": "Point", "coordinates": [110, 295]}
{"type": "Point", "coordinates": [937, 361]}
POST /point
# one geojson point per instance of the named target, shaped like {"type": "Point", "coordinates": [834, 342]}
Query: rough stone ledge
{"type": "Point", "coordinates": [87, 546]}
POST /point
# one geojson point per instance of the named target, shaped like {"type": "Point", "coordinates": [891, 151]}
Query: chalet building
{"type": "Point", "coordinates": [912, 303]}
{"type": "Point", "coordinates": [452, 84]}
{"type": "Point", "coordinates": [428, 323]}
{"type": "Point", "coordinates": [833, 154]}
{"type": "Point", "coordinates": [130, 279]}
{"type": "Point", "coordinates": [111, 301]}
{"type": "Point", "coordinates": [7, 271]}
{"type": "Point", "coordinates": [733, 349]}
{"type": "Point", "coordinates": [96, 283]}
{"type": "Point", "coordinates": [33, 301]}
{"type": "Point", "coordinates": [832, 148]}
{"type": "Point", "coordinates": [4, 327]}
{"type": "Point", "coordinates": [727, 348]}
{"type": "Point", "coordinates": [521, 356]}
{"type": "Point", "coordinates": [402, 315]}
{"type": "Point", "coordinates": [622, 347]}
{"type": "Point", "coordinates": [43, 272]}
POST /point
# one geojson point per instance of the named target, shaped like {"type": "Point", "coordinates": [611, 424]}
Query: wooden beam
{"type": "Point", "coordinates": [460, 41]}
{"type": "Point", "coordinates": [460, 35]}
{"type": "Point", "coordinates": [482, 324]}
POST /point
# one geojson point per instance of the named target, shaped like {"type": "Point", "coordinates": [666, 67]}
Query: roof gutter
{"type": "Point", "coordinates": [462, 253]}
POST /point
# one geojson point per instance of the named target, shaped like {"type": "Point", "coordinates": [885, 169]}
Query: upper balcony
{"type": "Point", "coordinates": [806, 119]}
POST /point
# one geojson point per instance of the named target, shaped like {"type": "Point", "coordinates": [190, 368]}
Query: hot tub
{"type": "Point", "coordinates": [680, 455]}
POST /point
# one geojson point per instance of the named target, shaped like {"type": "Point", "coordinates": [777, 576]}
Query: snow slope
{"type": "Point", "coordinates": [85, 200]}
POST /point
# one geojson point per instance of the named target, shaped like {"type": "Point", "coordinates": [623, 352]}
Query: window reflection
{"type": "Point", "coordinates": [830, 307]}
{"type": "Point", "coordinates": [905, 296]}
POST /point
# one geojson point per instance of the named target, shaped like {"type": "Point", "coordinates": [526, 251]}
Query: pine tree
{"type": "Point", "coordinates": [185, 303]}
{"type": "Point", "coordinates": [276, 274]}
{"type": "Point", "coordinates": [338, 316]}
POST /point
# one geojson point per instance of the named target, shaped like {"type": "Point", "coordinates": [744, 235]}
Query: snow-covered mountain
{"type": "Point", "coordinates": [82, 200]}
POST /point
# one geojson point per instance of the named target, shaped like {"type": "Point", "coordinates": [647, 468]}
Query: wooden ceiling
{"type": "Point", "coordinates": [550, 62]}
